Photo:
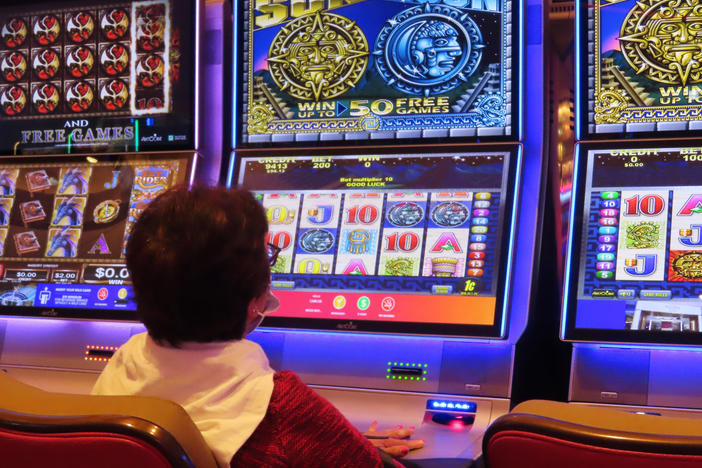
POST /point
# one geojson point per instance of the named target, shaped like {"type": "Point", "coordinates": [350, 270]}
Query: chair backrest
{"type": "Point", "coordinates": [548, 434]}
{"type": "Point", "coordinates": [39, 428]}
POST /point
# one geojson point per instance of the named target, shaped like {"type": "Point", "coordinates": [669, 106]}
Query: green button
{"type": "Point", "coordinates": [363, 303]}
{"type": "Point", "coordinates": [604, 275]}
{"type": "Point", "coordinates": [610, 195]}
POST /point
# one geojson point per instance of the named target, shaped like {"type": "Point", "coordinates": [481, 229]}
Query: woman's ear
{"type": "Point", "coordinates": [253, 319]}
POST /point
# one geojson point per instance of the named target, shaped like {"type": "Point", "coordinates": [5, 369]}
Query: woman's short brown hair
{"type": "Point", "coordinates": [197, 258]}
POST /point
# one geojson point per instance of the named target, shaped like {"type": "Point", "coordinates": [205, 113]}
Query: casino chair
{"type": "Point", "coordinates": [39, 428]}
{"type": "Point", "coordinates": [549, 434]}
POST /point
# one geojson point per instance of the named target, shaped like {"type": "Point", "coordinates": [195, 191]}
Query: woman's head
{"type": "Point", "coordinates": [198, 259]}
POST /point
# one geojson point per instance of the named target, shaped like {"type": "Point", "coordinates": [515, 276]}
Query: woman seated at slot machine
{"type": "Point", "coordinates": [201, 273]}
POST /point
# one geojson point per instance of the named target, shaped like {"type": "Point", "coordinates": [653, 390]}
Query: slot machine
{"type": "Point", "coordinates": [386, 142]}
{"type": "Point", "coordinates": [100, 112]}
{"type": "Point", "coordinates": [631, 300]}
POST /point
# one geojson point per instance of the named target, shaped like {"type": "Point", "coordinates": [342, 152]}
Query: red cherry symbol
{"type": "Point", "coordinates": [83, 19]}
{"type": "Point", "coordinates": [48, 91]}
{"type": "Point", "coordinates": [49, 21]}
{"type": "Point", "coordinates": [117, 86]}
{"type": "Point", "coordinates": [82, 89]}
{"type": "Point", "coordinates": [83, 53]}
{"type": "Point", "coordinates": [48, 55]}
{"type": "Point", "coordinates": [16, 93]}
{"type": "Point", "coordinates": [117, 15]}
{"type": "Point", "coordinates": [17, 25]}
{"type": "Point", "coordinates": [16, 59]}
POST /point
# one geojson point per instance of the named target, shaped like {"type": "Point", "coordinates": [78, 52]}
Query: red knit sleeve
{"type": "Point", "coordinates": [313, 433]}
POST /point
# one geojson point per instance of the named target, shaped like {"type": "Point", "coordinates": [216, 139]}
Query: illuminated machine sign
{"type": "Point", "coordinates": [635, 261]}
{"type": "Point", "coordinates": [640, 66]}
{"type": "Point", "coordinates": [396, 243]}
{"type": "Point", "coordinates": [382, 69]}
{"type": "Point", "coordinates": [64, 224]}
{"type": "Point", "coordinates": [80, 77]}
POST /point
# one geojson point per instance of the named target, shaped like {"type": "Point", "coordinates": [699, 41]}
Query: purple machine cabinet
{"type": "Point", "coordinates": [65, 310]}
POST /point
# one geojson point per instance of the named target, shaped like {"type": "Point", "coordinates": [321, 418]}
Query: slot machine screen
{"type": "Point", "coordinates": [401, 243]}
{"type": "Point", "coordinates": [639, 67]}
{"type": "Point", "coordinates": [333, 71]}
{"type": "Point", "coordinates": [64, 224]}
{"type": "Point", "coordinates": [80, 76]}
{"type": "Point", "coordinates": [635, 256]}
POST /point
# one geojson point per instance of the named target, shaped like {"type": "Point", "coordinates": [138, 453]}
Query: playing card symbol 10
{"type": "Point", "coordinates": [150, 103]}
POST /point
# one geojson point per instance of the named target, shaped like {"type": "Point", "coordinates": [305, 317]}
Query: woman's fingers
{"type": "Point", "coordinates": [411, 444]}
{"type": "Point", "coordinates": [397, 432]}
{"type": "Point", "coordinates": [397, 447]}
{"type": "Point", "coordinates": [397, 451]}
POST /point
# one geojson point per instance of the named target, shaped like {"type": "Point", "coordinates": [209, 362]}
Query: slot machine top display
{"type": "Point", "coordinates": [640, 67]}
{"type": "Point", "coordinates": [64, 225]}
{"type": "Point", "coordinates": [353, 70]}
{"type": "Point", "coordinates": [81, 76]}
{"type": "Point", "coordinates": [635, 256]}
{"type": "Point", "coordinates": [398, 243]}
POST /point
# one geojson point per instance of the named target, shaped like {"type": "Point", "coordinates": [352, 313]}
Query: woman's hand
{"type": "Point", "coordinates": [394, 441]}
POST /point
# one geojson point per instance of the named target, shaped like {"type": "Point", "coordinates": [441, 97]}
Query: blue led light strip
{"type": "Point", "coordinates": [452, 405]}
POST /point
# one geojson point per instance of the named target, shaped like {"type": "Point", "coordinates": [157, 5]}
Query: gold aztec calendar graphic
{"type": "Point", "coordinates": [689, 265]}
{"type": "Point", "coordinates": [318, 56]}
{"type": "Point", "coordinates": [663, 40]}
